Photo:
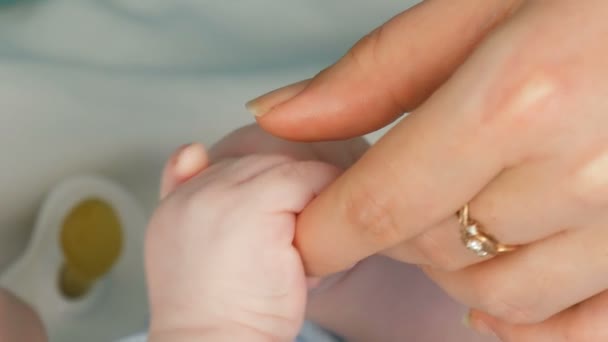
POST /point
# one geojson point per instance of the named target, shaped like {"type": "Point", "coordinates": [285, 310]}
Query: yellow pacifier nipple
{"type": "Point", "coordinates": [91, 240]}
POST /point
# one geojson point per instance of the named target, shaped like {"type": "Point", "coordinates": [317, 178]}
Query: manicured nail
{"type": "Point", "coordinates": [265, 103]}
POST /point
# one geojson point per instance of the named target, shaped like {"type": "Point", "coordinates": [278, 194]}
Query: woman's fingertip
{"type": "Point", "coordinates": [254, 109]}
{"type": "Point", "coordinates": [265, 103]}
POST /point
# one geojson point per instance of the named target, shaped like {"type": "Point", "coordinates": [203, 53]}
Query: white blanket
{"type": "Point", "coordinates": [113, 85]}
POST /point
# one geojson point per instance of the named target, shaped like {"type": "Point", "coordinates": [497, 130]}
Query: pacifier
{"type": "Point", "coordinates": [82, 271]}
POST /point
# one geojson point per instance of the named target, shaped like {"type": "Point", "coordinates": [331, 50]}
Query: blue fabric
{"type": "Point", "coordinates": [310, 333]}
{"type": "Point", "coordinates": [313, 333]}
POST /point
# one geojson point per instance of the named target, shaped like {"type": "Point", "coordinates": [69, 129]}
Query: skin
{"type": "Point", "coordinates": [208, 279]}
{"type": "Point", "coordinates": [507, 102]}
{"type": "Point", "coordinates": [18, 322]}
{"type": "Point", "coordinates": [401, 303]}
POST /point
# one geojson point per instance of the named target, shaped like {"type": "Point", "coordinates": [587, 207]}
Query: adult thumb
{"type": "Point", "coordinates": [389, 72]}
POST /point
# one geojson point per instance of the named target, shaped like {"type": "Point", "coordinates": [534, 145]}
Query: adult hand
{"type": "Point", "coordinates": [508, 114]}
{"type": "Point", "coordinates": [336, 301]}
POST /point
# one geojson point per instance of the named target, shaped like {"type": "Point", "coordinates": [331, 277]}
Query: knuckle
{"type": "Point", "coordinates": [275, 159]}
{"type": "Point", "coordinates": [214, 196]}
{"type": "Point", "coordinates": [366, 53]}
{"type": "Point", "coordinates": [371, 213]}
{"type": "Point", "coordinates": [373, 54]}
{"type": "Point", "coordinates": [524, 98]}
{"type": "Point", "coordinates": [590, 188]}
{"type": "Point", "coordinates": [257, 161]}
{"type": "Point", "coordinates": [289, 170]}
{"type": "Point", "coordinates": [528, 103]}
{"type": "Point", "coordinates": [249, 167]}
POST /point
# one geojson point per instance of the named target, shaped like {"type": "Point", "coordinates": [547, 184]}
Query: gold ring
{"type": "Point", "coordinates": [476, 240]}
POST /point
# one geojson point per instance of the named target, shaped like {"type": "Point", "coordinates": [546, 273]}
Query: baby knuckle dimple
{"type": "Point", "coordinates": [249, 167]}
{"type": "Point", "coordinates": [269, 159]}
{"type": "Point", "coordinates": [289, 170]}
{"type": "Point", "coordinates": [372, 214]}
{"type": "Point", "coordinates": [199, 201]}
{"type": "Point", "coordinates": [292, 178]}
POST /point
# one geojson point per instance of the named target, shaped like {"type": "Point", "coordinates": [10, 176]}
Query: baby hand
{"type": "Point", "coordinates": [219, 253]}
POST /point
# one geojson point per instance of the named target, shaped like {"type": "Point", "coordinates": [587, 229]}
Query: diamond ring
{"type": "Point", "coordinates": [476, 240]}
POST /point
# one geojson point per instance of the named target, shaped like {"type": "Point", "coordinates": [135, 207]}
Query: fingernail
{"type": "Point", "coordinates": [175, 156]}
{"type": "Point", "coordinates": [466, 320]}
{"type": "Point", "coordinates": [188, 159]}
{"type": "Point", "coordinates": [265, 103]}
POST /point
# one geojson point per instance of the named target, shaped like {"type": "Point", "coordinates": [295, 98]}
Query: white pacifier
{"type": "Point", "coordinates": [82, 271]}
